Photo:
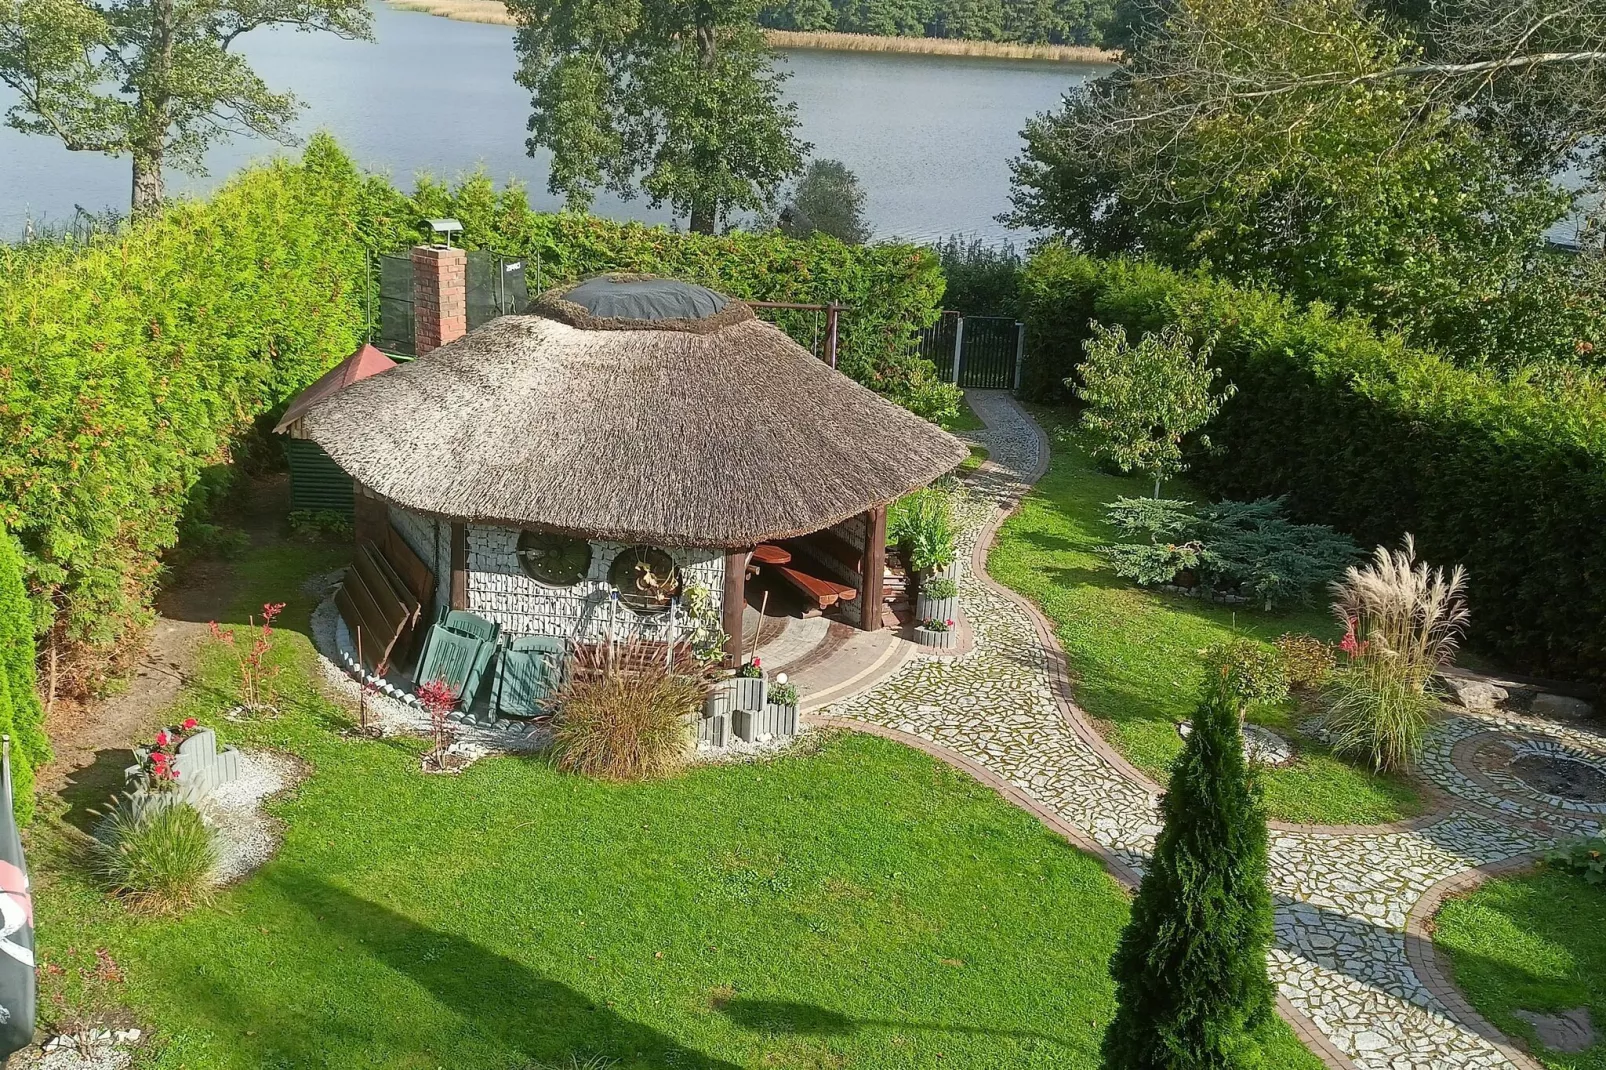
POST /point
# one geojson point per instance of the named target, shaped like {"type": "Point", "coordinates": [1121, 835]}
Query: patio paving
{"type": "Point", "coordinates": [1349, 956]}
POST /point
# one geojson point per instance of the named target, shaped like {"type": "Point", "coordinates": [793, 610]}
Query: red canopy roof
{"type": "Point", "coordinates": [360, 365]}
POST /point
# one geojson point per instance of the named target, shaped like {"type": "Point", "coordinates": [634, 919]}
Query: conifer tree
{"type": "Point", "coordinates": [1190, 969]}
{"type": "Point", "coordinates": [21, 715]}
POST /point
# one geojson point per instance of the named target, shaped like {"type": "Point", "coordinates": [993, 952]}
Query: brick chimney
{"type": "Point", "coordinates": [440, 296]}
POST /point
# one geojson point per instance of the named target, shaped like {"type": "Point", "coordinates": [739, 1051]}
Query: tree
{"type": "Point", "coordinates": [1142, 400]}
{"type": "Point", "coordinates": [680, 98]}
{"type": "Point", "coordinates": [1190, 969]}
{"type": "Point", "coordinates": [826, 200]}
{"type": "Point", "coordinates": [21, 716]}
{"type": "Point", "coordinates": [156, 80]}
{"type": "Point", "coordinates": [1318, 146]}
{"type": "Point", "coordinates": [983, 280]}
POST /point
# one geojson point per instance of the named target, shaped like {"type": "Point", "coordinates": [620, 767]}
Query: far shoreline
{"type": "Point", "coordinates": [493, 12]}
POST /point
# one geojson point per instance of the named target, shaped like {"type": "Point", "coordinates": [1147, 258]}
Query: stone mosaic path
{"type": "Point", "coordinates": [1342, 956]}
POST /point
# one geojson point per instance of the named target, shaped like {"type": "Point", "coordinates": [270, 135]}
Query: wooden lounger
{"type": "Point", "coordinates": [822, 592]}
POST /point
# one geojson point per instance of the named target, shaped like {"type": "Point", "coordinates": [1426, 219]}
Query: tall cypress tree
{"type": "Point", "coordinates": [1190, 969]}
{"type": "Point", "coordinates": [21, 715]}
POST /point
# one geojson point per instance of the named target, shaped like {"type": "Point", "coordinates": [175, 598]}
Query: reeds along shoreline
{"type": "Point", "coordinates": [493, 11]}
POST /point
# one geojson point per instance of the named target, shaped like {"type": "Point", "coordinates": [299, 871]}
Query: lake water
{"type": "Point", "coordinates": [929, 136]}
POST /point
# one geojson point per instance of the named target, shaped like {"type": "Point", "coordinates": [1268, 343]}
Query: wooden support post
{"type": "Point", "coordinates": [733, 601]}
{"type": "Point", "coordinates": [875, 569]}
{"type": "Point", "coordinates": [459, 592]}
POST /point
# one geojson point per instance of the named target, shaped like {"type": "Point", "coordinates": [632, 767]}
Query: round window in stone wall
{"type": "Point", "coordinates": [552, 559]}
{"type": "Point", "coordinates": [646, 578]}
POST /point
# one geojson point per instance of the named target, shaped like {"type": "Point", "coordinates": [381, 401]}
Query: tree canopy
{"type": "Point", "coordinates": [1340, 153]}
{"type": "Point", "coordinates": [679, 101]}
{"type": "Point", "coordinates": [826, 200]}
{"type": "Point", "coordinates": [1059, 22]}
{"type": "Point", "coordinates": [157, 80]}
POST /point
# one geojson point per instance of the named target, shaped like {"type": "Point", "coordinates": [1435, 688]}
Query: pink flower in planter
{"type": "Point", "coordinates": [161, 738]}
{"type": "Point", "coordinates": [189, 724]}
{"type": "Point", "coordinates": [949, 623]}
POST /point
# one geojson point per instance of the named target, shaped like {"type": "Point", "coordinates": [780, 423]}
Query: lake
{"type": "Point", "coordinates": [930, 137]}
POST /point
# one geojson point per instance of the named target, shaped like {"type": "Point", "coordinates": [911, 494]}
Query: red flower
{"type": "Point", "coordinates": [158, 758]}
{"type": "Point", "coordinates": [161, 738]}
{"type": "Point", "coordinates": [949, 623]}
{"type": "Point", "coordinates": [189, 723]}
{"type": "Point", "coordinates": [756, 663]}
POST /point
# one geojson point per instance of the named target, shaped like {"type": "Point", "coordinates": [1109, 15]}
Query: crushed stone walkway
{"type": "Point", "coordinates": [1343, 956]}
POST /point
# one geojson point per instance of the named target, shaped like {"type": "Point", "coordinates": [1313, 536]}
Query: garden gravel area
{"type": "Point", "coordinates": [247, 835]}
{"type": "Point", "coordinates": [1343, 895]}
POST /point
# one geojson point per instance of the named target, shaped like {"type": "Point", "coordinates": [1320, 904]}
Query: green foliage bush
{"type": "Point", "coordinates": [1309, 661]}
{"type": "Point", "coordinates": [982, 279]}
{"type": "Point", "coordinates": [21, 716]}
{"type": "Point", "coordinates": [922, 524]}
{"type": "Point", "coordinates": [1190, 970]}
{"type": "Point", "coordinates": [1258, 672]}
{"type": "Point", "coordinates": [1507, 476]}
{"type": "Point", "coordinates": [1587, 858]}
{"type": "Point", "coordinates": [890, 291]}
{"type": "Point", "coordinates": [129, 365]}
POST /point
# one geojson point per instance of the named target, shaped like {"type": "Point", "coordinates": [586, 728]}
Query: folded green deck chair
{"type": "Point", "coordinates": [528, 674]}
{"type": "Point", "coordinates": [458, 659]}
{"type": "Point", "coordinates": [463, 622]}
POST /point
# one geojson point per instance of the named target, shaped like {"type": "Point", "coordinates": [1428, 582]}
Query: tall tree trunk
{"type": "Point", "coordinates": [703, 218]}
{"type": "Point", "coordinates": [147, 198]}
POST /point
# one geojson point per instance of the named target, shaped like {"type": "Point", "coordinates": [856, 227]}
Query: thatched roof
{"type": "Point", "coordinates": [710, 429]}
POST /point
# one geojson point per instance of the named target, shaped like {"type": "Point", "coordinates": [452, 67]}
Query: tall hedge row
{"type": "Point", "coordinates": [1363, 432]}
{"type": "Point", "coordinates": [21, 716]}
{"type": "Point", "coordinates": [128, 365]}
{"type": "Point", "coordinates": [891, 291]}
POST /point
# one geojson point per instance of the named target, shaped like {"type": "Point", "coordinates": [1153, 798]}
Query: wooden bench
{"type": "Point", "coordinates": [822, 592]}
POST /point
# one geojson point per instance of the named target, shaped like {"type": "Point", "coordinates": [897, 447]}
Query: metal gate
{"type": "Point", "coordinates": [976, 351]}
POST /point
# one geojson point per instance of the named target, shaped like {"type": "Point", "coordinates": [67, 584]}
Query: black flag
{"type": "Point", "coordinates": [17, 989]}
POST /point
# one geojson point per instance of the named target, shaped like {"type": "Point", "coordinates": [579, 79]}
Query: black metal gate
{"type": "Point", "coordinates": [984, 348]}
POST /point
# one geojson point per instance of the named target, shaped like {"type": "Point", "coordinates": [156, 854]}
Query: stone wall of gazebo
{"type": "Point", "coordinates": [500, 590]}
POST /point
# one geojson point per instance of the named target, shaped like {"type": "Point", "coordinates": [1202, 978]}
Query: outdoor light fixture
{"type": "Point", "coordinates": [446, 227]}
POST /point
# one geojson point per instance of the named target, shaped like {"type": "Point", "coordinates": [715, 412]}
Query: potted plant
{"type": "Point", "coordinates": [924, 528]}
{"type": "Point", "coordinates": [936, 632]}
{"type": "Point", "coordinates": [938, 600]}
{"type": "Point", "coordinates": [782, 707]}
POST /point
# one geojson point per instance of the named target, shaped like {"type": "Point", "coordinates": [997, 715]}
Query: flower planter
{"type": "Point", "coordinates": [782, 718]}
{"type": "Point", "coordinates": [937, 608]}
{"type": "Point", "coordinates": [953, 570]}
{"type": "Point", "coordinates": [774, 721]}
{"type": "Point", "coordinates": [748, 694]}
{"type": "Point", "coordinates": [944, 640]}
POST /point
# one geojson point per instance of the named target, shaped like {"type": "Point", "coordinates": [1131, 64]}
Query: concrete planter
{"type": "Point", "coordinates": [713, 728]}
{"type": "Point", "coordinates": [937, 608]}
{"type": "Point", "coordinates": [748, 694]}
{"type": "Point", "coordinates": [941, 640]}
{"type": "Point", "coordinates": [201, 764]}
{"type": "Point", "coordinates": [774, 721]}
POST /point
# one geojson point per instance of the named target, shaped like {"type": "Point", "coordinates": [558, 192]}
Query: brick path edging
{"type": "Point", "coordinates": [1425, 960]}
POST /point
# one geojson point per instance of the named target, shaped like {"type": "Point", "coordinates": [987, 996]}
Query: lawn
{"type": "Point", "coordinates": [863, 906]}
{"type": "Point", "coordinates": [1134, 653]}
{"type": "Point", "coordinates": [1534, 943]}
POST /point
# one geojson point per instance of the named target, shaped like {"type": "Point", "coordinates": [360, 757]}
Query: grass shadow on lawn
{"type": "Point", "coordinates": [785, 1016]}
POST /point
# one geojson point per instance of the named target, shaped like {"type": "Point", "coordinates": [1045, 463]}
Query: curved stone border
{"type": "Point", "coordinates": [1424, 957]}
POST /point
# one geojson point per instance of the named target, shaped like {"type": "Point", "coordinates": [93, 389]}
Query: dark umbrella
{"type": "Point", "coordinates": [18, 994]}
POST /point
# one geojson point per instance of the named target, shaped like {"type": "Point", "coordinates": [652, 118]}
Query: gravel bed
{"type": "Point", "coordinates": [248, 836]}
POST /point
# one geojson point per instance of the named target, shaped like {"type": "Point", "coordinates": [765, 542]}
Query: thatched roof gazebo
{"type": "Point", "coordinates": [625, 413]}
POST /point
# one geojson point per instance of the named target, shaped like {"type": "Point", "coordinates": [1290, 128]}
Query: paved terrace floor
{"type": "Point", "coordinates": [1355, 971]}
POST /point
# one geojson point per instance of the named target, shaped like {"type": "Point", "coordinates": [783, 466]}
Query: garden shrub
{"type": "Point", "coordinates": [1362, 432]}
{"type": "Point", "coordinates": [1586, 858]}
{"type": "Point", "coordinates": [21, 715]}
{"type": "Point", "coordinates": [159, 854]}
{"type": "Point", "coordinates": [1190, 969]}
{"type": "Point", "coordinates": [889, 291]}
{"type": "Point", "coordinates": [130, 364]}
{"type": "Point", "coordinates": [922, 525]}
{"type": "Point", "coordinates": [1308, 660]}
{"type": "Point", "coordinates": [623, 714]}
{"type": "Point", "coordinates": [1258, 672]}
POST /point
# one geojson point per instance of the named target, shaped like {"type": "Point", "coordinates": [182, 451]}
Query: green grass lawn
{"type": "Point", "coordinates": [863, 906]}
{"type": "Point", "coordinates": [1534, 943]}
{"type": "Point", "coordinates": [1134, 653]}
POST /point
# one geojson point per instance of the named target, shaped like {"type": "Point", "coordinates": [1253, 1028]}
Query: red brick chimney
{"type": "Point", "coordinates": [440, 296]}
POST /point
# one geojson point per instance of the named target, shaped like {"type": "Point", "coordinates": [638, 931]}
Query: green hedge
{"type": "Point", "coordinates": [21, 716]}
{"type": "Point", "coordinates": [891, 291]}
{"type": "Point", "coordinates": [1362, 432]}
{"type": "Point", "coordinates": [128, 365]}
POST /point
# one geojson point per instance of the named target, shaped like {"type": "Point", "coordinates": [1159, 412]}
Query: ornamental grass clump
{"type": "Point", "coordinates": [158, 853]}
{"type": "Point", "coordinates": [923, 526]}
{"type": "Point", "coordinates": [1402, 622]}
{"type": "Point", "coordinates": [1190, 969]}
{"type": "Point", "coordinates": [625, 712]}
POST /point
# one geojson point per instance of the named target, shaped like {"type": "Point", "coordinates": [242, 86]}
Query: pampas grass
{"type": "Point", "coordinates": [1403, 621]}
{"type": "Point", "coordinates": [624, 714]}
